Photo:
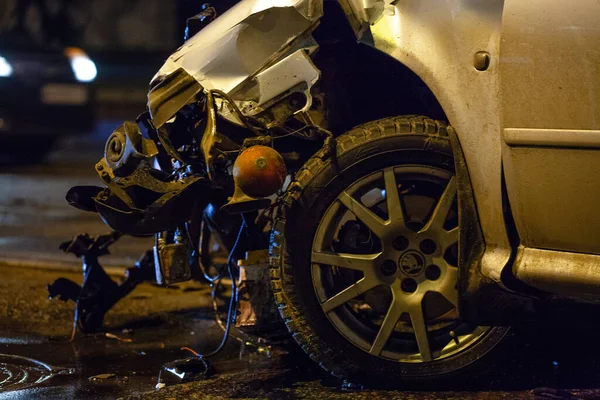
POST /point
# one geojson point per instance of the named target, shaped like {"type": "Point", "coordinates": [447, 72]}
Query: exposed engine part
{"type": "Point", "coordinates": [258, 172]}
{"type": "Point", "coordinates": [126, 148]}
{"type": "Point", "coordinates": [148, 200]}
{"type": "Point", "coordinates": [82, 197]}
{"type": "Point", "coordinates": [257, 311]}
{"type": "Point", "coordinates": [171, 260]}
{"type": "Point", "coordinates": [291, 79]}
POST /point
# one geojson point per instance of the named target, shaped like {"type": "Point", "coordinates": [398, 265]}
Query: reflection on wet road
{"type": "Point", "coordinates": [149, 328]}
{"type": "Point", "coordinates": [17, 372]}
{"type": "Point", "coordinates": [146, 330]}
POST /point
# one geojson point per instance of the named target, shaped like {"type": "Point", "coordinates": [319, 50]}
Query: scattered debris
{"type": "Point", "coordinates": [185, 370]}
{"type": "Point", "coordinates": [120, 339]}
{"type": "Point", "coordinates": [101, 377]}
{"type": "Point", "coordinates": [98, 293]}
{"type": "Point", "coordinates": [348, 386]}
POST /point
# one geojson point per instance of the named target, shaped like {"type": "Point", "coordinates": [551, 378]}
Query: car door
{"type": "Point", "coordinates": [550, 93]}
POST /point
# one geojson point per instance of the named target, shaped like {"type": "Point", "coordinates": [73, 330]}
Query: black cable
{"type": "Point", "coordinates": [200, 249]}
{"type": "Point", "coordinates": [232, 309]}
{"type": "Point", "coordinates": [231, 315]}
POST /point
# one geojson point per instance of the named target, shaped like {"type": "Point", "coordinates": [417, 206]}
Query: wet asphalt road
{"type": "Point", "coordinates": [153, 324]}
{"type": "Point", "coordinates": [34, 217]}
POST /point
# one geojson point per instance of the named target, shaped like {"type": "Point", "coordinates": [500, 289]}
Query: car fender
{"type": "Point", "coordinates": [453, 46]}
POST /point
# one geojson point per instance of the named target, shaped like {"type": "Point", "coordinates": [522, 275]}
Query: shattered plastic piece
{"type": "Point", "coordinates": [348, 386]}
{"type": "Point", "coordinates": [101, 377]}
{"type": "Point", "coordinates": [185, 370]}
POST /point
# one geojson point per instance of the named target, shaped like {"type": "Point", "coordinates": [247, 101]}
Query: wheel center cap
{"type": "Point", "coordinates": [412, 263]}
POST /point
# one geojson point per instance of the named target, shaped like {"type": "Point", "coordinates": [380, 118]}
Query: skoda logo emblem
{"type": "Point", "coordinates": [412, 263]}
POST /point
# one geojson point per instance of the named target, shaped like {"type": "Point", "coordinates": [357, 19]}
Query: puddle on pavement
{"type": "Point", "coordinates": [150, 328]}
{"type": "Point", "coordinates": [99, 367]}
{"type": "Point", "coordinates": [18, 372]}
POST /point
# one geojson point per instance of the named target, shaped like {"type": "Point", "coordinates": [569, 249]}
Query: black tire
{"type": "Point", "coordinates": [367, 148]}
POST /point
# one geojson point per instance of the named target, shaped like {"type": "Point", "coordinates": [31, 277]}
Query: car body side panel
{"type": "Point", "coordinates": [438, 41]}
{"type": "Point", "coordinates": [550, 73]}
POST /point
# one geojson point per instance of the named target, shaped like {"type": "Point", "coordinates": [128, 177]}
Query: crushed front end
{"type": "Point", "coordinates": [230, 116]}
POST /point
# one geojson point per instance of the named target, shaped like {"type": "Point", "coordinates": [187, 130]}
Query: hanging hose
{"type": "Point", "coordinates": [232, 309]}
{"type": "Point", "coordinates": [231, 315]}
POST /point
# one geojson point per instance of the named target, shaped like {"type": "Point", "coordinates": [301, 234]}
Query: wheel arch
{"type": "Point", "coordinates": [363, 83]}
{"type": "Point", "coordinates": [434, 46]}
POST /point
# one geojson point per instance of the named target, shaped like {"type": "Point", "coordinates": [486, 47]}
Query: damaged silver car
{"type": "Point", "coordinates": [413, 175]}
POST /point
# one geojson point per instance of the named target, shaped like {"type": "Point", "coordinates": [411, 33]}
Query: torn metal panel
{"type": "Point", "coordinates": [243, 41]}
{"type": "Point", "coordinates": [169, 94]}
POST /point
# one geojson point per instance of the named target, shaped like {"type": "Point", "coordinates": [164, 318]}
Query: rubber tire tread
{"type": "Point", "coordinates": [283, 283]}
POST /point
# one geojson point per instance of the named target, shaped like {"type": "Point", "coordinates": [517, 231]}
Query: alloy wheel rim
{"type": "Point", "coordinates": [410, 261]}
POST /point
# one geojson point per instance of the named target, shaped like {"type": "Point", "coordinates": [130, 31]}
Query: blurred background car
{"type": "Point", "coordinates": [44, 93]}
{"type": "Point", "coordinates": [73, 70]}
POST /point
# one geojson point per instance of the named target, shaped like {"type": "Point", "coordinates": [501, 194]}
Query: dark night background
{"type": "Point", "coordinates": [100, 25]}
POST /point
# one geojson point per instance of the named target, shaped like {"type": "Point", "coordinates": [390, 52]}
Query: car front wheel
{"type": "Point", "coordinates": [365, 258]}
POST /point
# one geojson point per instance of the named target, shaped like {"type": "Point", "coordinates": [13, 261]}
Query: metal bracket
{"type": "Point", "coordinates": [99, 293]}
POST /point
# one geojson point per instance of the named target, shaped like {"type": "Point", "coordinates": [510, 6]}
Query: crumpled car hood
{"type": "Point", "coordinates": [243, 41]}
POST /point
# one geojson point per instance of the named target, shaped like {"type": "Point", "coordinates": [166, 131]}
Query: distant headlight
{"type": "Point", "coordinates": [5, 68]}
{"type": "Point", "coordinates": [83, 67]}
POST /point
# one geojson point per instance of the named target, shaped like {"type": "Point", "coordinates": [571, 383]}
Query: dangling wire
{"type": "Point", "coordinates": [231, 316]}
{"type": "Point", "coordinates": [202, 252]}
{"type": "Point", "coordinates": [232, 309]}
